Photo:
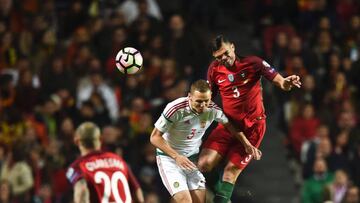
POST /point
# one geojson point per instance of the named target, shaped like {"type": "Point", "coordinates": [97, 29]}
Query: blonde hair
{"type": "Point", "coordinates": [89, 134]}
{"type": "Point", "coordinates": [200, 85]}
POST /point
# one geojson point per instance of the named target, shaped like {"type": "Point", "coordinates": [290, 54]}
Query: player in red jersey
{"type": "Point", "coordinates": [100, 176]}
{"type": "Point", "coordinates": [237, 79]}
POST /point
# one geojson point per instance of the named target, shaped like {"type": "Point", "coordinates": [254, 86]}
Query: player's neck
{"type": "Point", "coordinates": [85, 152]}
{"type": "Point", "coordinates": [233, 66]}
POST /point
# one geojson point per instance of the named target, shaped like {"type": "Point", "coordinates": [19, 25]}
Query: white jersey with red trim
{"type": "Point", "coordinates": [183, 128]}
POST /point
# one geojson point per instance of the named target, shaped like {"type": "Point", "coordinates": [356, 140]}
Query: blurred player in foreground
{"type": "Point", "coordinates": [237, 79]}
{"type": "Point", "coordinates": [177, 136]}
{"type": "Point", "coordinates": [100, 176]}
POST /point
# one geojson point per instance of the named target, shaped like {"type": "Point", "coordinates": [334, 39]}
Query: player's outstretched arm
{"type": "Point", "coordinates": [81, 192]}
{"type": "Point", "coordinates": [287, 83]}
{"type": "Point", "coordinates": [158, 141]}
{"type": "Point", "coordinates": [249, 148]}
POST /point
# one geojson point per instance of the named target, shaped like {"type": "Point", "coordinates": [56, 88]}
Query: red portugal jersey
{"type": "Point", "coordinates": [106, 174]}
{"type": "Point", "coordinates": [240, 88]}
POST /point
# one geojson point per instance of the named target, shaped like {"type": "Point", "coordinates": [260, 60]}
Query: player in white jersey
{"type": "Point", "coordinates": [177, 136]}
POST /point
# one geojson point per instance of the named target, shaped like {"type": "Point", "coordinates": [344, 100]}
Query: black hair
{"type": "Point", "coordinates": [217, 42]}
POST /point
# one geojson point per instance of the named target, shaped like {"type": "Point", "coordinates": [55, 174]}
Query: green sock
{"type": "Point", "coordinates": [223, 191]}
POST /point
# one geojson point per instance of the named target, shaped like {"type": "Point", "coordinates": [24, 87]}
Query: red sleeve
{"type": "Point", "coordinates": [74, 173]}
{"type": "Point", "coordinates": [133, 182]}
{"type": "Point", "coordinates": [211, 79]}
{"type": "Point", "coordinates": [265, 69]}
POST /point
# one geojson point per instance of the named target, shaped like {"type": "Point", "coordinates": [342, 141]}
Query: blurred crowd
{"type": "Point", "coordinates": [57, 65]}
{"type": "Point", "coordinates": [57, 69]}
{"type": "Point", "coordinates": [319, 40]}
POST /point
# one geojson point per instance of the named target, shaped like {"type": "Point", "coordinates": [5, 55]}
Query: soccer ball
{"type": "Point", "coordinates": [129, 60]}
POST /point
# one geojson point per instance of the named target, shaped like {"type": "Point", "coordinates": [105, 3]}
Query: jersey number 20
{"type": "Point", "coordinates": [111, 186]}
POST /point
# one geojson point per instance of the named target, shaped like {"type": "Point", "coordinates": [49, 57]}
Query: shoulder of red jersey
{"type": "Point", "coordinates": [251, 59]}
{"type": "Point", "coordinates": [213, 64]}
{"type": "Point", "coordinates": [76, 162]}
{"type": "Point", "coordinates": [256, 60]}
{"type": "Point", "coordinates": [260, 64]}
{"type": "Point", "coordinates": [73, 173]}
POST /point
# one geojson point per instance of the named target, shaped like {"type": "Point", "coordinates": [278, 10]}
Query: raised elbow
{"type": "Point", "coordinates": [154, 136]}
{"type": "Point", "coordinates": [152, 139]}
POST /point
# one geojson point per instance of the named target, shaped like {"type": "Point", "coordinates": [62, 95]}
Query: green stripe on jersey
{"type": "Point", "coordinates": [166, 118]}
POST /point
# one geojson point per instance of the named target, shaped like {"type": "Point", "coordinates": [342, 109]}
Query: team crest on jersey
{"type": "Point", "coordinates": [242, 75]}
{"type": "Point", "coordinates": [231, 77]}
{"type": "Point", "coordinates": [176, 184]}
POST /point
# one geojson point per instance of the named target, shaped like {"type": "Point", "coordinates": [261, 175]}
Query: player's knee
{"type": "Point", "coordinates": [182, 197]}
{"type": "Point", "coordinates": [205, 165]}
{"type": "Point", "coordinates": [231, 173]}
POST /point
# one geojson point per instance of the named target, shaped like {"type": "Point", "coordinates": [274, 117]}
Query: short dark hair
{"type": "Point", "coordinates": [200, 85]}
{"type": "Point", "coordinates": [217, 41]}
{"type": "Point", "coordinates": [88, 132]}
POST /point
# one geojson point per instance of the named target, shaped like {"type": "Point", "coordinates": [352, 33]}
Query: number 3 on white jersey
{"type": "Point", "coordinates": [236, 92]}
{"type": "Point", "coordinates": [111, 186]}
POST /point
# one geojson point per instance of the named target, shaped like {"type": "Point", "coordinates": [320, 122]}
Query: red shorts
{"type": "Point", "coordinates": [228, 146]}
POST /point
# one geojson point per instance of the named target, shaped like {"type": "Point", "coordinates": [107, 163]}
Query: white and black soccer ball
{"type": "Point", "coordinates": [129, 60]}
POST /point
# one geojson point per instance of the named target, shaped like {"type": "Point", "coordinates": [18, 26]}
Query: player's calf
{"type": "Point", "coordinates": [231, 173]}
{"type": "Point", "coordinates": [205, 165]}
{"type": "Point", "coordinates": [225, 185]}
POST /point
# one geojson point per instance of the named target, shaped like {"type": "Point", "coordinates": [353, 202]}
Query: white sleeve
{"type": "Point", "coordinates": [166, 119]}
{"type": "Point", "coordinates": [219, 115]}
{"type": "Point", "coordinates": [163, 124]}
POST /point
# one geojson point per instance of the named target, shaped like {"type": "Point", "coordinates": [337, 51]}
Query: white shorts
{"type": "Point", "coordinates": [176, 179]}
